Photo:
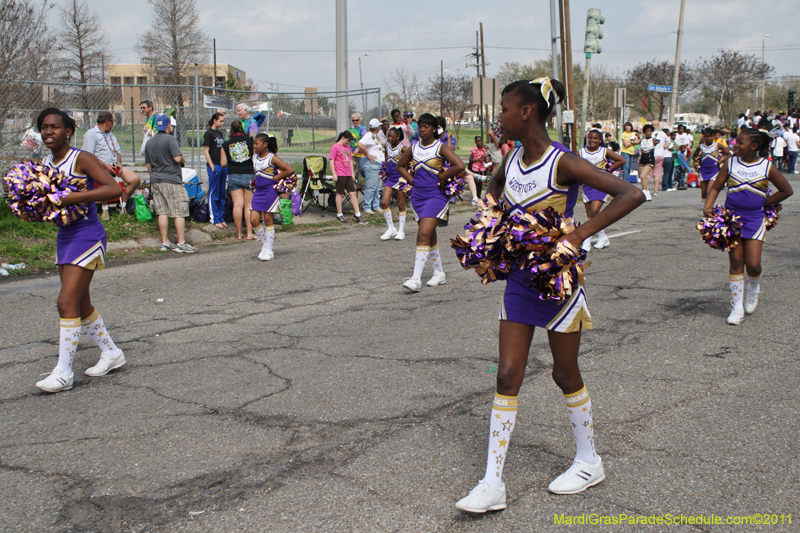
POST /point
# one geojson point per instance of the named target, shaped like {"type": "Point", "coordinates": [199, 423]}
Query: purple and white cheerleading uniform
{"type": "Point", "coordinates": [392, 157]}
{"type": "Point", "coordinates": [709, 161]}
{"type": "Point", "coordinates": [533, 188]}
{"type": "Point", "coordinates": [82, 242]}
{"type": "Point", "coordinates": [428, 199]}
{"type": "Point", "coordinates": [265, 197]}
{"type": "Point", "coordinates": [599, 160]}
{"type": "Point", "coordinates": [747, 192]}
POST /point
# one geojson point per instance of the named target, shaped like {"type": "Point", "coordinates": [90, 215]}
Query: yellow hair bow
{"type": "Point", "coordinates": [545, 86]}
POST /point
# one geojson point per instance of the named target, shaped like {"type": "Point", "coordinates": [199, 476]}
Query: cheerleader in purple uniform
{"type": "Point", "coordinates": [711, 155]}
{"type": "Point", "coordinates": [430, 203]}
{"type": "Point", "coordinates": [595, 153]}
{"type": "Point", "coordinates": [747, 175]}
{"type": "Point", "coordinates": [532, 177]}
{"type": "Point", "coordinates": [80, 250]}
{"type": "Point", "coordinates": [394, 150]}
{"type": "Point", "coordinates": [269, 169]}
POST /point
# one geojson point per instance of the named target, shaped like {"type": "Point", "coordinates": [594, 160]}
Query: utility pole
{"type": "Point", "coordinates": [763, 78]}
{"type": "Point", "coordinates": [480, 80]}
{"type": "Point", "coordinates": [591, 45]}
{"type": "Point", "coordinates": [568, 72]}
{"type": "Point", "coordinates": [342, 109]}
{"type": "Point", "coordinates": [363, 97]}
{"type": "Point", "coordinates": [674, 100]}
{"type": "Point", "coordinates": [214, 84]}
{"type": "Point", "coordinates": [483, 77]}
{"type": "Point", "coordinates": [441, 89]}
{"type": "Point", "coordinates": [554, 61]}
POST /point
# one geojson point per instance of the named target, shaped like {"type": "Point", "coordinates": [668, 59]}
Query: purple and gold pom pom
{"type": "Point", "coordinates": [771, 215]}
{"type": "Point", "coordinates": [483, 247]}
{"type": "Point", "coordinates": [286, 184]}
{"type": "Point", "coordinates": [722, 230]}
{"type": "Point", "coordinates": [454, 186]}
{"type": "Point", "coordinates": [35, 193]}
{"type": "Point", "coordinates": [556, 271]}
{"type": "Point", "coordinates": [405, 187]}
{"type": "Point", "coordinates": [253, 185]}
{"type": "Point", "coordinates": [383, 172]}
{"type": "Point", "coordinates": [534, 232]}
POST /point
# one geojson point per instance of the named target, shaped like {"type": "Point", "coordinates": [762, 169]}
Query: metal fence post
{"type": "Point", "coordinates": [133, 141]}
{"type": "Point", "coordinates": [196, 119]}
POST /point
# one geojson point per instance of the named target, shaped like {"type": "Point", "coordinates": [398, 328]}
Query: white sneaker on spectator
{"type": "Point", "coordinates": [647, 196]}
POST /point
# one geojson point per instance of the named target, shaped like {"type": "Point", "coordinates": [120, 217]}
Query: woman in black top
{"type": "Point", "coordinates": [239, 153]}
{"type": "Point", "coordinates": [216, 168]}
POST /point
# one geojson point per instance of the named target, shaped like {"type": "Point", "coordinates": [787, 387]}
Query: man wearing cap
{"type": "Point", "coordinates": [100, 142]}
{"type": "Point", "coordinates": [170, 199]}
{"type": "Point", "coordinates": [372, 148]}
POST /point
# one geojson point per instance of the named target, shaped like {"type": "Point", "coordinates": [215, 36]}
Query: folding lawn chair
{"type": "Point", "coordinates": [314, 167]}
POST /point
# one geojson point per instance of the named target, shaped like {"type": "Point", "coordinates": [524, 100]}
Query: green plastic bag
{"type": "Point", "coordinates": [286, 210]}
{"type": "Point", "coordinates": [142, 210]}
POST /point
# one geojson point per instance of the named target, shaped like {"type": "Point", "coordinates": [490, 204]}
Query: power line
{"type": "Point", "coordinates": [332, 51]}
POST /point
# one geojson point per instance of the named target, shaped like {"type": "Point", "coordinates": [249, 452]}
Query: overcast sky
{"type": "Point", "coordinates": [514, 30]}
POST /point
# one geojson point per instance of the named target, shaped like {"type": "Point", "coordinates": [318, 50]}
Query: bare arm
{"type": "Point", "coordinates": [105, 189]}
{"type": "Point", "coordinates": [571, 169]}
{"type": "Point", "coordinates": [456, 164]}
{"type": "Point", "coordinates": [285, 169]}
{"type": "Point", "coordinates": [207, 153]}
{"type": "Point", "coordinates": [405, 159]}
{"type": "Point", "coordinates": [498, 181]}
{"type": "Point", "coordinates": [784, 189]}
{"type": "Point", "coordinates": [713, 191]}
{"type": "Point", "coordinates": [617, 159]}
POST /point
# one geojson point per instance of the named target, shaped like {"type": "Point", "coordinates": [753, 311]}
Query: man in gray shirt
{"type": "Point", "coordinates": [103, 144]}
{"type": "Point", "coordinates": [170, 199]}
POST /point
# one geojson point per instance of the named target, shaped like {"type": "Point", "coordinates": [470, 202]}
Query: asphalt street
{"type": "Point", "coordinates": [314, 393]}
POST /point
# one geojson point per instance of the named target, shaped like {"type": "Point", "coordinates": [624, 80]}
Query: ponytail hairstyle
{"type": "Point", "coordinates": [543, 93]}
{"type": "Point", "coordinates": [346, 134]}
{"type": "Point", "coordinates": [236, 128]}
{"type": "Point", "coordinates": [67, 120]}
{"type": "Point", "coordinates": [214, 117]}
{"type": "Point", "coordinates": [759, 137]}
{"type": "Point", "coordinates": [599, 132]}
{"type": "Point", "coordinates": [270, 141]}
{"type": "Point", "coordinates": [430, 120]}
{"type": "Point", "coordinates": [399, 132]}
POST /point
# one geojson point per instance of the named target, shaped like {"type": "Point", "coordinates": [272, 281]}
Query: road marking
{"type": "Point", "coordinates": [624, 233]}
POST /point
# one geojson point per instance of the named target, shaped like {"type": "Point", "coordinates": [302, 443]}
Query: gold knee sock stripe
{"type": "Point", "coordinates": [576, 399]}
{"type": "Point", "coordinates": [91, 318]}
{"type": "Point", "coordinates": [736, 277]}
{"type": "Point", "coordinates": [70, 322]}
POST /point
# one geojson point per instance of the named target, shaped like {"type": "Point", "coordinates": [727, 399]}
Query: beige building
{"type": "Point", "coordinates": [142, 74]}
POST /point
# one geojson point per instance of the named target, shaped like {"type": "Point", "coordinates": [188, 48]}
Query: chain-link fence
{"type": "Point", "coordinates": [303, 123]}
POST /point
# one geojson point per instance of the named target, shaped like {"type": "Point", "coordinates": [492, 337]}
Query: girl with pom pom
{"type": "Point", "coordinates": [394, 150]}
{"type": "Point", "coordinates": [748, 174]}
{"type": "Point", "coordinates": [595, 153]}
{"type": "Point", "coordinates": [269, 170]}
{"type": "Point", "coordinates": [80, 250]}
{"type": "Point", "coordinates": [537, 175]}
{"type": "Point", "coordinates": [711, 155]}
{"type": "Point", "coordinates": [429, 155]}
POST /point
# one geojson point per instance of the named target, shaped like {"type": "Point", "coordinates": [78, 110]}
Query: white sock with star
{"type": "Point", "coordinates": [737, 290]}
{"type": "Point", "coordinates": [269, 236]}
{"type": "Point", "coordinates": [503, 420]}
{"type": "Point", "coordinates": [401, 221]}
{"type": "Point", "coordinates": [261, 234]}
{"type": "Point", "coordinates": [436, 259]}
{"type": "Point", "coordinates": [96, 328]}
{"type": "Point", "coordinates": [69, 335]}
{"type": "Point", "coordinates": [420, 259]}
{"type": "Point", "coordinates": [579, 406]}
{"type": "Point", "coordinates": [753, 285]}
{"type": "Point", "coordinates": [388, 216]}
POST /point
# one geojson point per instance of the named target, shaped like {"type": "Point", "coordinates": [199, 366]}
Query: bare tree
{"type": "Point", "coordinates": [657, 73]}
{"type": "Point", "coordinates": [726, 76]}
{"type": "Point", "coordinates": [22, 24]}
{"type": "Point", "coordinates": [452, 95]}
{"type": "Point", "coordinates": [600, 99]}
{"type": "Point", "coordinates": [83, 42]}
{"type": "Point", "coordinates": [405, 88]}
{"type": "Point", "coordinates": [513, 71]}
{"type": "Point", "coordinates": [174, 43]}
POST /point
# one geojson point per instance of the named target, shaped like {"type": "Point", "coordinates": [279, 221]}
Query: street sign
{"type": "Point", "coordinates": [619, 96]}
{"type": "Point", "coordinates": [660, 88]}
{"type": "Point", "coordinates": [217, 102]}
{"type": "Point", "coordinates": [568, 116]}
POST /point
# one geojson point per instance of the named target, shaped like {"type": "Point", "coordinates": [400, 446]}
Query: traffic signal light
{"type": "Point", "coordinates": [792, 101]}
{"type": "Point", "coordinates": [593, 31]}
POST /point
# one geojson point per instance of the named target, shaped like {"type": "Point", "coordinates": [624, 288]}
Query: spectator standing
{"type": "Point", "coordinates": [408, 131]}
{"type": "Point", "coordinates": [383, 132]}
{"type": "Point", "coordinates": [374, 156]}
{"type": "Point", "coordinates": [628, 149]}
{"type": "Point", "coordinates": [664, 152]}
{"type": "Point", "coordinates": [408, 118]}
{"type": "Point", "coordinates": [477, 157]}
{"type": "Point", "coordinates": [445, 136]}
{"type": "Point", "coordinates": [778, 151]}
{"type": "Point", "coordinates": [146, 108]}
{"type": "Point", "coordinates": [249, 124]}
{"type": "Point", "coordinates": [164, 161]}
{"type": "Point", "coordinates": [792, 142]}
{"type": "Point", "coordinates": [493, 135]}
{"type": "Point", "coordinates": [100, 142]}
{"type": "Point", "coordinates": [239, 154]}
{"type": "Point", "coordinates": [357, 130]}
{"type": "Point", "coordinates": [216, 166]}
{"type": "Point", "coordinates": [341, 159]}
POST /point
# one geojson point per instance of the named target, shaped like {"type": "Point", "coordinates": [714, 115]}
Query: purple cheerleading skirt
{"type": "Point", "coordinates": [392, 176]}
{"type": "Point", "coordinates": [590, 194]}
{"type": "Point", "coordinates": [750, 207]}
{"type": "Point", "coordinates": [522, 305]}
{"type": "Point", "coordinates": [83, 244]}
{"type": "Point", "coordinates": [427, 198]}
{"type": "Point", "coordinates": [708, 171]}
{"type": "Point", "coordinates": [265, 197]}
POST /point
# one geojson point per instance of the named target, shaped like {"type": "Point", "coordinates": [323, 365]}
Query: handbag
{"type": "Point", "coordinates": [201, 213]}
{"type": "Point", "coordinates": [142, 210]}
